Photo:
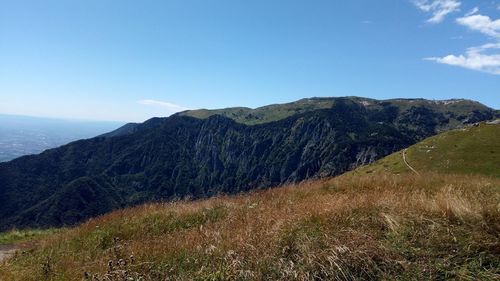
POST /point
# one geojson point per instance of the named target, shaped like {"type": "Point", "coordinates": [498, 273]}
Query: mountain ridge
{"type": "Point", "coordinates": [253, 116]}
{"type": "Point", "coordinates": [187, 157]}
{"type": "Point", "coordinates": [239, 114]}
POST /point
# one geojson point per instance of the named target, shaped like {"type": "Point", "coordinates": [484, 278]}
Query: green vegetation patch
{"type": "Point", "coordinates": [473, 150]}
{"type": "Point", "coordinates": [19, 236]}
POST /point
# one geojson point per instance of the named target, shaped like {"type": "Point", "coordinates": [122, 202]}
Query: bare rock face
{"type": "Point", "coordinates": [186, 157]}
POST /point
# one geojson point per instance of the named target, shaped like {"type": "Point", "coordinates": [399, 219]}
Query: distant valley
{"type": "Point", "coordinates": [23, 135]}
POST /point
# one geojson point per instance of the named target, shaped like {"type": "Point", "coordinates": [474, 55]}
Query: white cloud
{"type": "Point", "coordinates": [438, 8]}
{"type": "Point", "coordinates": [170, 107]}
{"type": "Point", "coordinates": [483, 24]}
{"type": "Point", "coordinates": [472, 12]}
{"type": "Point", "coordinates": [476, 58]}
{"type": "Point", "coordinates": [485, 58]}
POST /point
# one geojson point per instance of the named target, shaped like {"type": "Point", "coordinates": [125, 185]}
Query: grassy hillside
{"type": "Point", "coordinates": [472, 150]}
{"type": "Point", "coordinates": [382, 226]}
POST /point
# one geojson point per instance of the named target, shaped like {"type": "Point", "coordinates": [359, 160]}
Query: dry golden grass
{"type": "Point", "coordinates": [377, 226]}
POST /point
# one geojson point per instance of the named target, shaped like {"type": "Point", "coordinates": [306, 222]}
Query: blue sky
{"type": "Point", "coordinates": [131, 60]}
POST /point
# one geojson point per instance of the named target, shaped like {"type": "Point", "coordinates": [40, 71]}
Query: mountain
{"type": "Point", "coordinates": [385, 224]}
{"type": "Point", "coordinates": [458, 111]}
{"type": "Point", "coordinates": [186, 157]}
{"type": "Point", "coordinates": [23, 135]}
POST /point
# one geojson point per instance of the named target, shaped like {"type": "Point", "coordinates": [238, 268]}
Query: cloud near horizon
{"type": "Point", "coordinates": [170, 107]}
{"type": "Point", "coordinates": [438, 8]}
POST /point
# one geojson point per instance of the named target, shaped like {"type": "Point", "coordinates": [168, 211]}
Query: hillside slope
{"type": "Point", "coordinates": [184, 157]}
{"type": "Point", "coordinates": [358, 226]}
{"type": "Point", "coordinates": [470, 150]}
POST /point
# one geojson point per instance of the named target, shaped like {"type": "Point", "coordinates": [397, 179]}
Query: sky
{"type": "Point", "coordinates": [126, 60]}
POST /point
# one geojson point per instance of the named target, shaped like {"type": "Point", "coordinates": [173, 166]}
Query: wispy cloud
{"type": "Point", "coordinates": [170, 107]}
{"type": "Point", "coordinates": [476, 58]}
{"type": "Point", "coordinates": [472, 12]}
{"type": "Point", "coordinates": [438, 8]}
{"type": "Point", "coordinates": [481, 23]}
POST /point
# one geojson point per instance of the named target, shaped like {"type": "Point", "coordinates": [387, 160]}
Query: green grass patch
{"type": "Point", "coordinates": [19, 236]}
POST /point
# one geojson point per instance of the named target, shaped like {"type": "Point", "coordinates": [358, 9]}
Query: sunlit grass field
{"type": "Point", "coordinates": [379, 226]}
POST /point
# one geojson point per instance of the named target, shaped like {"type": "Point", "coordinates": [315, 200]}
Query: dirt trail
{"type": "Point", "coordinates": [408, 164]}
{"type": "Point", "coordinates": [7, 251]}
